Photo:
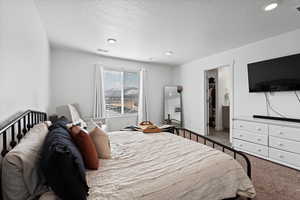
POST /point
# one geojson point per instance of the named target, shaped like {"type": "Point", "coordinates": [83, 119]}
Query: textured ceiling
{"type": "Point", "coordinates": [147, 28]}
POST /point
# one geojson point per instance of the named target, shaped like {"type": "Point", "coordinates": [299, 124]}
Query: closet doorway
{"type": "Point", "coordinates": [218, 103]}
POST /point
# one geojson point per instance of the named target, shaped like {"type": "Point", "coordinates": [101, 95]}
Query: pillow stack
{"type": "Point", "coordinates": [62, 155]}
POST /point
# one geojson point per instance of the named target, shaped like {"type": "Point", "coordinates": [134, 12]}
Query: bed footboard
{"type": "Point", "coordinates": [214, 144]}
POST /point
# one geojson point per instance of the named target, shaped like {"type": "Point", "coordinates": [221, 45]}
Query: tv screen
{"type": "Point", "coordinates": [279, 74]}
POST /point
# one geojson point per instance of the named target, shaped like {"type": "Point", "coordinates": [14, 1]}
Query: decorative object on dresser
{"type": "Point", "coordinates": [272, 140]}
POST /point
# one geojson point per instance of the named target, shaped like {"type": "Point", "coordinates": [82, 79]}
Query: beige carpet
{"type": "Point", "coordinates": [273, 181]}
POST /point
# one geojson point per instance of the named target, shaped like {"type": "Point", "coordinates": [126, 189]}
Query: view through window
{"type": "Point", "coordinates": [121, 90]}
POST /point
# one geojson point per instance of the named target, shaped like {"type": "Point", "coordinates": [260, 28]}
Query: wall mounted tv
{"type": "Point", "coordinates": [279, 74]}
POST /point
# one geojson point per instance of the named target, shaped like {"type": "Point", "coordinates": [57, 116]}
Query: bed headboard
{"type": "Point", "coordinates": [13, 131]}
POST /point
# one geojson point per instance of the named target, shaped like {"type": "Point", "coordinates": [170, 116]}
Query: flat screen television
{"type": "Point", "coordinates": [279, 74]}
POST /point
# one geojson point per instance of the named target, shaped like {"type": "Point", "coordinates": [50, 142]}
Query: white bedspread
{"type": "Point", "coordinates": [163, 166]}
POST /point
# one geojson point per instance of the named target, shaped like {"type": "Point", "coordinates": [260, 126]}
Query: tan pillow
{"type": "Point", "coordinates": [101, 141]}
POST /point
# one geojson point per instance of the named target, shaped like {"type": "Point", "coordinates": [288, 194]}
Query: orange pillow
{"type": "Point", "coordinates": [86, 147]}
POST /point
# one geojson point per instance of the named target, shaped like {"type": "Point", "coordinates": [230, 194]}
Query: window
{"type": "Point", "coordinates": [121, 91]}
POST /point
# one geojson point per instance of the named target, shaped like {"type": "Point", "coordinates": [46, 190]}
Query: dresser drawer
{"type": "Point", "coordinates": [285, 132]}
{"type": "Point", "coordinates": [251, 126]}
{"type": "Point", "coordinates": [284, 144]}
{"type": "Point", "coordinates": [250, 147]}
{"type": "Point", "coordinates": [285, 157]}
{"type": "Point", "coordinates": [251, 137]}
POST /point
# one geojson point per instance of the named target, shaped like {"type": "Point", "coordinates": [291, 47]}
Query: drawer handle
{"type": "Point", "coordinates": [259, 150]}
{"type": "Point", "coordinates": [240, 145]}
{"type": "Point", "coordinates": [241, 126]}
{"type": "Point", "coordinates": [280, 133]}
{"type": "Point", "coordinates": [259, 139]}
{"type": "Point", "coordinates": [281, 156]}
{"type": "Point", "coordinates": [259, 129]}
{"type": "Point", "coordinates": [241, 135]}
{"type": "Point", "coordinates": [280, 144]}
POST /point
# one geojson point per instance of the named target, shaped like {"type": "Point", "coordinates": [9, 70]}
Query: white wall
{"type": "Point", "coordinates": [191, 76]}
{"type": "Point", "coordinates": [72, 79]}
{"type": "Point", "coordinates": [24, 59]}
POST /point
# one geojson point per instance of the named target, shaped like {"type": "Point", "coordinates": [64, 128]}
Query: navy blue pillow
{"type": "Point", "coordinates": [62, 164]}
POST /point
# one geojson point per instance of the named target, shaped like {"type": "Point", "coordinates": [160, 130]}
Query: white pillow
{"type": "Point", "coordinates": [75, 116]}
{"type": "Point", "coordinates": [21, 178]}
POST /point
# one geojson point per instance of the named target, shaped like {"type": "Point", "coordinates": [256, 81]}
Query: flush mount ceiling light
{"type": "Point", "coordinates": [169, 53]}
{"type": "Point", "coordinates": [271, 6]}
{"type": "Point", "coordinates": [111, 40]}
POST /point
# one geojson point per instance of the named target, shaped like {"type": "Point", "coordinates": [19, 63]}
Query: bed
{"type": "Point", "coordinates": [157, 166]}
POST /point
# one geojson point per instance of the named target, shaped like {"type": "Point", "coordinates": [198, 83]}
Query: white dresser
{"type": "Point", "coordinates": [277, 141]}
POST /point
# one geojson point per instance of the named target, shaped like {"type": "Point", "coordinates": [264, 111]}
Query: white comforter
{"type": "Point", "coordinates": [164, 166]}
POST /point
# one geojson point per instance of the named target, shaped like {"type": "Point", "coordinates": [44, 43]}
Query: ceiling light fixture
{"type": "Point", "coordinates": [169, 53]}
{"type": "Point", "coordinates": [271, 6]}
{"type": "Point", "coordinates": [111, 40]}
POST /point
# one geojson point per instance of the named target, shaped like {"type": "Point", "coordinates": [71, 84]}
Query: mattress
{"type": "Point", "coordinates": [165, 166]}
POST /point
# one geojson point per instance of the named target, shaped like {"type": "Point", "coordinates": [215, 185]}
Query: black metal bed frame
{"type": "Point", "coordinates": [18, 127]}
{"type": "Point", "coordinates": [214, 144]}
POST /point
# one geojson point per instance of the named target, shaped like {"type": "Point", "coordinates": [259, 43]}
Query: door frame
{"type": "Point", "coordinates": [231, 98]}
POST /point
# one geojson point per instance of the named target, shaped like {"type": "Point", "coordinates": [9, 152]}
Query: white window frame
{"type": "Point", "coordinates": [122, 92]}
